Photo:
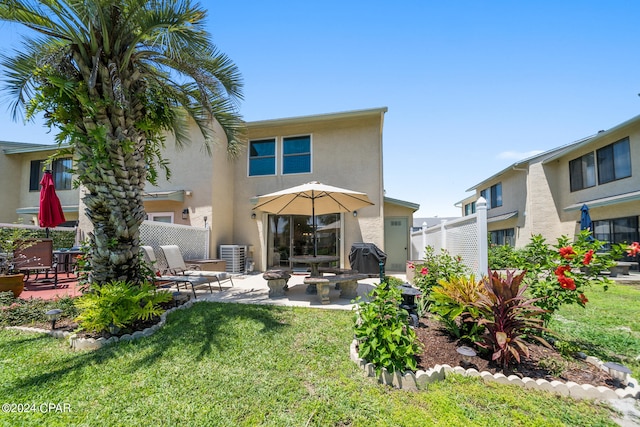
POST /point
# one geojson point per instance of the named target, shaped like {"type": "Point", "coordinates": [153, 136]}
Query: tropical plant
{"type": "Point", "coordinates": [119, 304]}
{"type": "Point", "coordinates": [383, 333]}
{"type": "Point", "coordinates": [507, 316]}
{"type": "Point", "coordinates": [452, 301]}
{"type": "Point", "coordinates": [114, 77]}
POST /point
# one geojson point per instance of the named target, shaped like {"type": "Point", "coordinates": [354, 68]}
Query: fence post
{"type": "Point", "coordinates": [424, 241]}
{"type": "Point", "coordinates": [483, 246]}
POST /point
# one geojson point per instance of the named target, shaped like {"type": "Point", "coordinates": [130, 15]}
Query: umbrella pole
{"type": "Point", "coordinates": [313, 216]}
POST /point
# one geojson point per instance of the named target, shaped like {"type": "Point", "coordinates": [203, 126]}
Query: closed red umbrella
{"type": "Point", "coordinates": [51, 214]}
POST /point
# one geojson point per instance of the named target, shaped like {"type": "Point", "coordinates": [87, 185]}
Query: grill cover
{"type": "Point", "coordinates": [366, 257]}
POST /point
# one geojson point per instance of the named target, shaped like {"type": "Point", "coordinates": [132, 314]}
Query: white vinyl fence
{"type": "Point", "coordinates": [193, 241]}
{"type": "Point", "coordinates": [465, 237]}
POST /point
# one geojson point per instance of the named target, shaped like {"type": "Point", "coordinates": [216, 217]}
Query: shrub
{"type": "Point", "coordinates": [19, 312]}
{"type": "Point", "coordinates": [436, 267]}
{"type": "Point", "coordinates": [507, 316]}
{"type": "Point", "coordinates": [119, 304]}
{"type": "Point", "coordinates": [382, 330]}
{"type": "Point", "coordinates": [452, 301]}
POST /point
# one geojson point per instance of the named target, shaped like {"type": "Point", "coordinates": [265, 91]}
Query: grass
{"type": "Point", "coordinates": [247, 365]}
{"type": "Point", "coordinates": [607, 328]}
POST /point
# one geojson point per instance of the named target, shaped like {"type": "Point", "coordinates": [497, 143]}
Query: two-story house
{"type": "Point", "coordinates": [544, 193]}
{"type": "Point", "coordinates": [340, 149]}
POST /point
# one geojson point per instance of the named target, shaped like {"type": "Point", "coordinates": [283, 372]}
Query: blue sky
{"type": "Point", "coordinates": [471, 86]}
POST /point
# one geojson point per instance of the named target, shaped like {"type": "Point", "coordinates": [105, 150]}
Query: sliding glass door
{"type": "Point", "coordinates": [291, 235]}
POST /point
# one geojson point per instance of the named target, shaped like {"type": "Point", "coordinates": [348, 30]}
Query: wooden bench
{"type": "Point", "coordinates": [348, 285]}
{"type": "Point", "coordinates": [620, 268]}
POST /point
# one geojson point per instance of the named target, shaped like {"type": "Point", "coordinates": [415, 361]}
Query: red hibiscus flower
{"type": "Point", "coordinates": [424, 271]}
{"type": "Point", "coordinates": [583, 299]}
{"type": "Point", "coordinates": [633, 249]}
{"type": "Point", "coordinates": [562, 269]}
{"type": "Point", "coordinates": [567, 252]}
{"type": "Point", "coordinates": [567, 283]}
{"type": "Point", "coordinates": [587, 257]}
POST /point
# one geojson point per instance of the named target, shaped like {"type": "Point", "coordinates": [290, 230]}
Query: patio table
{"type": "Point", "coordinates": [314, 262]}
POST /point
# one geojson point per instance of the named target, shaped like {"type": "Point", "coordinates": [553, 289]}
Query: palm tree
{"type": "Point", "coordinates": [115, 77]}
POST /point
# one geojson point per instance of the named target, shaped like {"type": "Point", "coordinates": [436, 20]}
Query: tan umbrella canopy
{"type": "Point", "coordinates": [312, 198]}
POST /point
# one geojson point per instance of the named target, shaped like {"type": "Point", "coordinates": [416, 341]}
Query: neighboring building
{"type": "Point", "coordinates": [544, 193]}
{"type": "Point", "coordinates": [339, 149]}
{"type": "Point", "coordinates": [419, 223]}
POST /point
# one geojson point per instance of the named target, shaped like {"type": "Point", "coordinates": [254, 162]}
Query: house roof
{"type": "Point", "coordinates": [405, 204]}
{"type": "Point", "coordinates": [594, 138]}
{"type": "Point", "coordinates": [36, 209]}
{"type": "Point", "coordinates": [605, 201]}
{"type": "Point", "coordinates": [525, 162]}
{"type": "Point", "coordinates": [25, 147]}
{"type": "Point", "coordinates": [159, 196]}
{"type": "Point", "coordinates": [502, 217]}
{"type": "Point", "coordinates": [318, 117]}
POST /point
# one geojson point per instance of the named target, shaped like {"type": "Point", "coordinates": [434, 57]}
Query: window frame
{"type": "Point", "coordinates": [491, 195]}
{"type": "Point", "coordinates": [284, 155]}
{"type": "Point", "coordinates": [578, 183]}
{"type": "Point", "coordinates": [606, 155]}
{"type": "Point", "coordinates": [273, 140]}
{"type": "Point", "coordinates": [62, 177]}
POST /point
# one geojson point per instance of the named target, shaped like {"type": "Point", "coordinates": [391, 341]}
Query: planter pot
{"type": "Point", "coordinates": [13, 283]}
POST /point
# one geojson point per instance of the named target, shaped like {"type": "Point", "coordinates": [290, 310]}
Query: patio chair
{"type": "Point", "coordinates": [38, 258]}
{"type": "Point", "coordinates": [164, 281]}
{"type": "Point", "coordinates": [177, 266]}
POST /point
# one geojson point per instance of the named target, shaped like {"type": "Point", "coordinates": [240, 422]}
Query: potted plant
{"type": "Point", "coordinates": [12, 240]}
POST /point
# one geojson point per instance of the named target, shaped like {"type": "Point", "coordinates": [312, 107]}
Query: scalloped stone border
{"type": "Point", "coordinates": [93, 344]}
{"type": "Point", "coordinates": [420, 380]}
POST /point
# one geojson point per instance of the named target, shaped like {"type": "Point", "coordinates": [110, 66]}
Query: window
{"type": "Point", "coordinates": [617, 230]}
{"type": "Point", "coordinates": [493, 195]}
{"type": "Point", "coordinates": [582, 172]}
{"type": "Point", "coordinates": [614, 161]}
{"type": "Point", "coordinates": [502, 237]}
{"type": "Point", "coordinates": [60, 169]}
{"type": "Point", "coordinates": [296, 154]}
{"type": "Point", "coordinates": [262, 157]}
{"type": "Point", "coordinates": [166, 217]}
{"type": "Point", "coordinates": [470, 208]}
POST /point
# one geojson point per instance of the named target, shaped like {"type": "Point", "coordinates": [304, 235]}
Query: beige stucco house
{"type": "Point", "coordinates": [339, 149]}
{"type": "Point", "coordinates": [544, 193]}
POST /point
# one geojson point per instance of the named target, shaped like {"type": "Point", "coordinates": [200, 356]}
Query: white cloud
{"type": "Point", "coordinates": [516, 155]}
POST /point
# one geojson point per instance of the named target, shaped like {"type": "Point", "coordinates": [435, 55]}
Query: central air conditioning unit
{"type": "Point", "coordinates": [235, 256]}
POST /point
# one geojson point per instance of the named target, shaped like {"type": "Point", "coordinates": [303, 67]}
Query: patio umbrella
{"type": "Point", "coordinates": [585, 218]}
{"type": "Point", "coordinates": [312, 199]}
{"type": "Point", "coordinates": [51, 214]}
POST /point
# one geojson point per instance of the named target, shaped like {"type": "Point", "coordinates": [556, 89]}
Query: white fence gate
{"type": "Point", "coordinates": [465, 237]}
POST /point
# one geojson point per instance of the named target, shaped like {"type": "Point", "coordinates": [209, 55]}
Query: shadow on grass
{"type": "Point", "coordinates": [204, 326]}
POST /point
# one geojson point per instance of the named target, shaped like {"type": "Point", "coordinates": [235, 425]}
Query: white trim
{"type": "Point", "coordinates": [152, 215]}
{"type": "Point", "coordinates": [275, 154]}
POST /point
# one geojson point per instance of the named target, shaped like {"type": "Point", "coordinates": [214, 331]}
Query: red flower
{"type": "Point", "coordinates": [567, 283]}
{"type": "Point", "coordinates": [410, 265]}
{"type": "Point", "coordinates": [562, 269]}
{"type": "Point", "coordinates": [567, 252]}
{"type": "Point", "coordinates": [633, 249]}
{"type": "Point", "coordinates": [583, 299]}
{"type": "Point", "coordinates": [424, 271]}
{"type": "Point", "coordinates": [587, 257]}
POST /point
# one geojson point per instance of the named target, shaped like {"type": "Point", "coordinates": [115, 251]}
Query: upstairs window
{"type": "Point", "coordinates": [493, 195]}
{"type": "Point", "coordinates": [60, 170]}
{"type": "Point", "coordinates": [582, 172]}
{"type": "Point", "coordinates": [262, 157]}
{"type": "Point", "coordinates": [470, 208]}
{"type": "Point", "coordinates": [296, 154]}
{"type": "Point", "coordinates": [614, 161]}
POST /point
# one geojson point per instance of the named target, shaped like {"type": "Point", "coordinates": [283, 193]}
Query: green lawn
{"type": "Point", "coordinates": [608, 327]}
{"type": "Point", "coordinates": [246, 365]}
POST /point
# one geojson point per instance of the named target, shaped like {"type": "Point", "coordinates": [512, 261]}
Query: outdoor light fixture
{"type": "Point", "coordinates": [53, 315]}
{"type": "Point", "coordinates": [185, 213]}
{"type": "Point", "coordinates": [467, 354]}
{"type": "Point", "coordinates": [253, 215]}
{"type": "Point", "coordinates": [618, 372]}
{"type": "Point", "coordinates": [355, 213]}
